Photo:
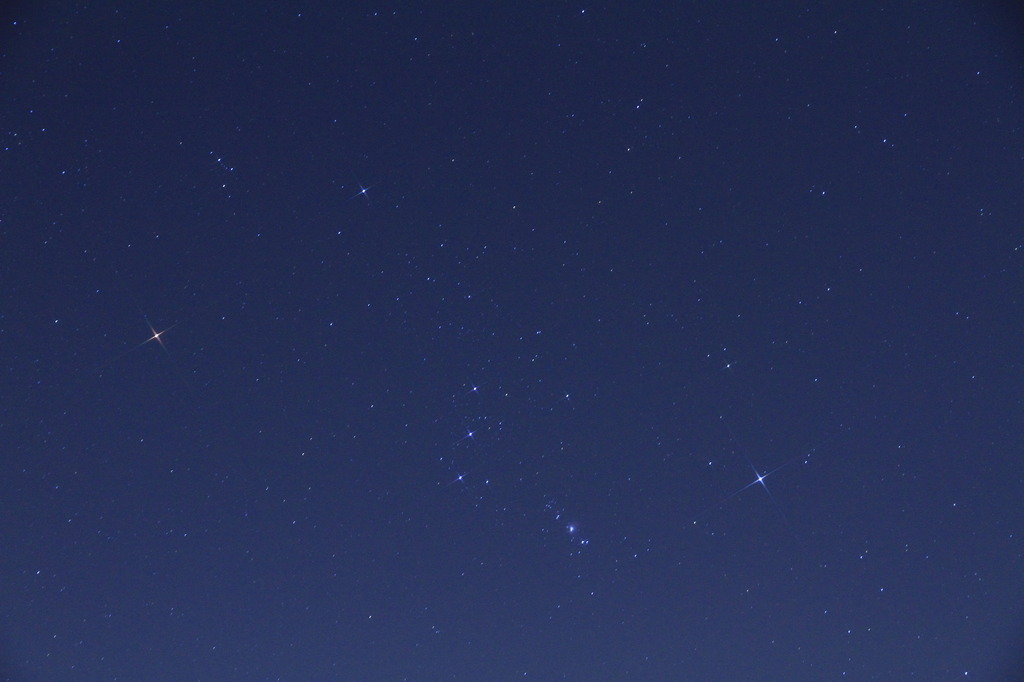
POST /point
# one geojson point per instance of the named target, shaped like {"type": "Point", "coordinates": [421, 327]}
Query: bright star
{"type": "Point", "coordinates": [364, 191]}
{"type": "Point", "coordinates": [155, 335]}
{"type": "Point", "coordinates": [759, 478]}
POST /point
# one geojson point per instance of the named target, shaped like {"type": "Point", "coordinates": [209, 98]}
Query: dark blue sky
{"type": "Point", "coordinates": [555, 341]}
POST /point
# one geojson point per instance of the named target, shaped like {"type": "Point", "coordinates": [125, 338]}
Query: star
{"type": "Point", "coordinates": [364, 191]}
{"type": "Point", "coordinates": [470, 435]}
{"type": "Point", "coordinates": [156, 335]}
{"type": "Point", "coordinates": [759, 478]}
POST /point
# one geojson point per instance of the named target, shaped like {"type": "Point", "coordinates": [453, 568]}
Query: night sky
{"type": "Point", "coordinates": [490, 341]}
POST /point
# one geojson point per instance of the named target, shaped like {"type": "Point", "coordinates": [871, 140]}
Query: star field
{"type": "Point", "coordinates": [552, 342]}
